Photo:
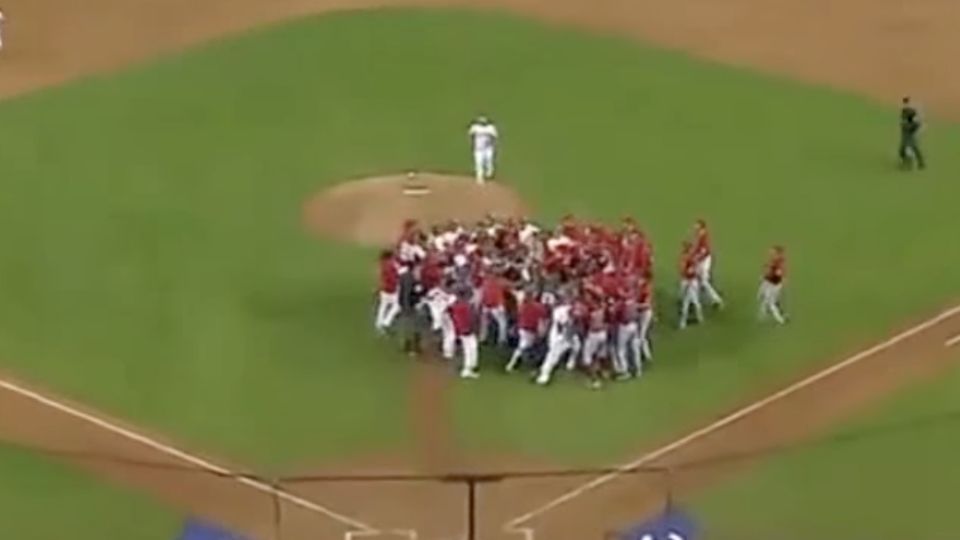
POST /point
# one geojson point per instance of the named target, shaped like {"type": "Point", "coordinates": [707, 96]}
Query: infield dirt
{"type": "Point", "coordinates": [879, 48]}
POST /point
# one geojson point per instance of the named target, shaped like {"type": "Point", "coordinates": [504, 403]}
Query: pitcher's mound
{"type": "Point", "coordinates": [371, 211]}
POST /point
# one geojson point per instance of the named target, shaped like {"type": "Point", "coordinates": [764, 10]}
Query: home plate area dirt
{"type": "Point", "coordinates": [879, 48]}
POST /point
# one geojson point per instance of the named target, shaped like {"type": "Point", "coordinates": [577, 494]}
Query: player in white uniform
{"type": "Point", "coordinates": [483, 135]}
{"type": "Point", "coordinates": [560, 341]}
{"type": "Point", "coordinates": [1, 29]}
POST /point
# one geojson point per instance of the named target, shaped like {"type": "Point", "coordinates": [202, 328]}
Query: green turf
{"type": "Point", "coordinates": [42, 500]}
{"type": "Point", "coordinates": [155, 266]}
{"type": "Point", "coordinates": [891, 474]}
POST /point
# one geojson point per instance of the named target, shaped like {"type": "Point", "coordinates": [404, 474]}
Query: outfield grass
{"type": "Point", "coordinates": [890, 474]}
{"type": "Point", "coordinates": [155, 265]}
{"type": "Point", "coordinates": [42, 500]}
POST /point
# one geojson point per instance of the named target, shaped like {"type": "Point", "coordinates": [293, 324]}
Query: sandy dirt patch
{"type": "Point", "coordinates": [372, 211]}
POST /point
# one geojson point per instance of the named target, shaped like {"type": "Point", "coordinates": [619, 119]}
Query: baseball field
{"type": "Point", "coordinates": [176, 342]}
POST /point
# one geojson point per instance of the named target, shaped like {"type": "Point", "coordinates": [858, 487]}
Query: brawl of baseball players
{"type": "Point", "coordinates": [578, 296]}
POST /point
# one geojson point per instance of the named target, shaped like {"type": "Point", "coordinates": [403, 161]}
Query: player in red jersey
{"type": "Point", "coordinates": [532, 314]}
{"type": "Point", "coordinates": [388, 303]}
{"type": "Point", "coordinates": [772, 285]}
{"type": "Point", "coordinates": [595, 343]}
{"type": "Point", "coordinates": [689, 286]}
{"type": "Point", "coordinates": [579, 324]}
{"type": "Point", "coordinates": [431, 281]}
{"type": "Point", "coordinates": [633, 341]}
{"type": "Point", "coordinates": [463, 316]}
{"type": "Point", "coordinates": [493, 300]}
{"type": "Point", "coordinates": [703, 251]}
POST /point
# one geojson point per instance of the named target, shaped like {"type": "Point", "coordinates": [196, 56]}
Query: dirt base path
{"type": "Point", "coordinates": [879, 48]}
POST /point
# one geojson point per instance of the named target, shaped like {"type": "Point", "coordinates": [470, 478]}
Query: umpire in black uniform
{"type": "Point", "coordinates": [909, 128]}
{"type": "Point", "coordinates": [411, 318]}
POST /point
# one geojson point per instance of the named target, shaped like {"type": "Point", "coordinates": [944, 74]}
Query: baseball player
{"type": "Point", "coordinates": [772, 285]}
{"type": "Point", "coordinates": [448, 334]}
{"type": "Point", "coordinates": [633, 343]}
{"type": "Point", "coordinates": [388, 305]}
{"type": "Point", "coordinates": [531, 314]}
{"type": "Point", "coordinates": [689, 286]}
{"type": "Point", "coordinates": [910, 124]}
{"type": "Point", "coordinates": [483, 135]}
{"type": "Point", "coordinates": [493, 300]}
{"type": "Point", "coordinates": [463, 317]}
{"type": "Point", "coordinates": [560, 339]}
{"type": "Point", "coordinates": [1, 29]}
{"type": "Point", "coordinates": [579, 326]}
{"type": "Point", "coordinates": [645, 305]}
{"type": "Point", "coordinates": [595, 344]}
{"type": "Point", "coordinates": [704, 256]}
{"type": "Point", "coordinates": [431, 281]}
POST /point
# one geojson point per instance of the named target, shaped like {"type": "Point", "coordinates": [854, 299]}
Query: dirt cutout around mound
{"type": "Point", "coordinates": [372, 211]}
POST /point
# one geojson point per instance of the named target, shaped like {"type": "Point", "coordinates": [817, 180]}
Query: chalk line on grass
{"type": "Point", "coordinates": [955, 340]}
{"type": "Point", "coordinates": [182, 455]}
{"type": "Point", "coordinates": [514, 526]}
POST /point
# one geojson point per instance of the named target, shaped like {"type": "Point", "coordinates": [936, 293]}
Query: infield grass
{"type": "Point", "coordinates": [155, 265]}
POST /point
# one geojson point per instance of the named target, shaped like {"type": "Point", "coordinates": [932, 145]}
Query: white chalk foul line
{"type": "Point", "coordinates": [514, 526]}
{"type": "Point", "coordinates": [181, 455]}
{"type": "Point", "coordinates": [953, 341]}
{"type": "Point", "coordinates": [404, 533]}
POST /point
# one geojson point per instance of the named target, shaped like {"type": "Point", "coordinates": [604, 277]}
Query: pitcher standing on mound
{"type": "Point", "coordinates": [483, 136]}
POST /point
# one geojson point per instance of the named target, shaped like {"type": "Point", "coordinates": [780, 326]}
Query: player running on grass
{"type": "Point", "coordinates": [560, 339]}
{"type": "Point", "coordinates": [772, 285]}
{"type": "Point", "coordinates": [531, 316]}
{"type": "Point", "coordinates": [689, 286]}
{"type": "Point", "coordinates": [703, 253]}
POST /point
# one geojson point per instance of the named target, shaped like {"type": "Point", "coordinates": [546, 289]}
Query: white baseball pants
{"type": "Point", "coordinates": [594, 346]}
{"type": "Point", "coordinates": [769, 296]}
{"type": "Point", "coordinates": [470, 348]}
{"type": "Point", "coordinates": [558, 347]}
{"type": "Point", "coordinates": [690, 299]}
{"type": "Point", "coordinates": [483, 159]}
{"type": "Point", "coordinates": [388, 307]}
{"type": "Point", "coordinates": [704, 270]}
{"type": "Point", "coordinates": [525, 342]}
